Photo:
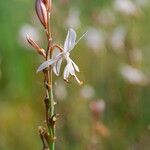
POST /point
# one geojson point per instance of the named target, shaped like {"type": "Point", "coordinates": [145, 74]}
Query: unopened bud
{"type": "Point", "coordinates": [48, 4]}
{"type": "Point", "coordinates": [36, 46]}
{"type": "Point", "coordinates": [41, 11]}
{"type": "Point", "coordinates": [32, 43]}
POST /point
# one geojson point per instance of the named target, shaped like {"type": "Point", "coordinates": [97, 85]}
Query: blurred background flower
{"type": "Point", "coordinates": [73, 20]}
{"type": "Point", "coordinates": [126, 7]}
{"type": "Point", "coordinates": [133, 75]}
{"type": "Point", "coordinates": [87, 92]}
{"type": "Point", "coordinates": [60, 90]}
{"type": "Point", "coordinates": [95, 39]}
{"type": "Point", "coordinates": [118, 38]}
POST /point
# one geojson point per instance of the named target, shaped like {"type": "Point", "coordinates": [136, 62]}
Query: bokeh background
{"type": "Point", "coordinates": [111, 110]}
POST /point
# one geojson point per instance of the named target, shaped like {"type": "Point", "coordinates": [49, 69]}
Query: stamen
{"type": "Point", "coordinates": [80, 82]}
{"type": "Point", "coordinates": [81, 37]}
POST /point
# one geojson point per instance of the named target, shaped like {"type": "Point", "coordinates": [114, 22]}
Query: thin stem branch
{"type": "Point", "coordinates": [57, 46]}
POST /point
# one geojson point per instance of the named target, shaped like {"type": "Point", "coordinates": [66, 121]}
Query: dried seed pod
{"type": "Point", "coordinates": [36, 46]}
{"type": "Point", "coordinates": [41, 12]}
{"type": "Point", "coordinates": [48, 4]}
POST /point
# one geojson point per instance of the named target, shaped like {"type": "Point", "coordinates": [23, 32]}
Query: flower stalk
{"type": "Point", "coordinates": [43, 10]}
{"type": "Point", "coordinates": [49, 100]}
{"type": "Point", "coordinates": [52, 65]}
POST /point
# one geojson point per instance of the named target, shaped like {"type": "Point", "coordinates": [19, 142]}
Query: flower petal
{"type": "Point", "coordinates": [45, 64]}
{"type": "Point", "coordinates": [57, 66]}
{"type": "Point", "coordinates": [75, 66]}
{"type": "Point", "coordinates": [71, 69]}
{"type": "Point", "coordinates": [66, 73]}
{"type": "Point", "coordinates": [56, 53]}
{"type": "Point", "coordinates": [70, 40]}
{"type": "Point", "coordinates": [54, 69]}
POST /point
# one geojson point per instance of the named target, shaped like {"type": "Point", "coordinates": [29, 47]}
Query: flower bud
{"type": "Point", "coordinates": [36, 46]}
{"type": "Point", "coordinates": [48, 4]}
{"type": "Point", "coordinates": [41, 12]}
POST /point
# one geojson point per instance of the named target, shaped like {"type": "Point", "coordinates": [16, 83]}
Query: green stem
{"type": "Point", "coordinates": [51, 110]}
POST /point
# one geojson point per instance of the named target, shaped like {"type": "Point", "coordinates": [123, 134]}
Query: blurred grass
{"type": "Point", "coordinates": [21, 90]}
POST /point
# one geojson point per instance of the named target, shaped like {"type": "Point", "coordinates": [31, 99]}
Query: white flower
{"type": "Point", "coordinates": [87, 92]}
{"type": "Point", "coordinates": [133, 75]}
{"type": "Point", "coordinates": [73, 19]}
{"type": "Point", "coordinates": [117, 40]}
{"type": "Point", "coordinates": [56, 62]}
{"type": "Point", "coordinates": [126, 7]}
{"type": "Point", "coordinates": [60, 90]}
{"type": "Point", "coordinates": [95, 39]}
{"type": "Point", "coordinates": [98, 106]}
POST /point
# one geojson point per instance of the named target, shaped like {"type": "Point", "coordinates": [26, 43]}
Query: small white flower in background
{"type": "Point", "coordinates": [31, 30]}
{"type": "Point", "coordinates": [98, 107]}
{"type": "Point", "coordinates": [95, 39]}
{"type": "Point", "coordinates": [87, 92]}
{"type": "Point", "coordinates": [56, 62]}
{"type": "Point", "coordinates": [60, 90]}
{"type": "Point", "coordinates": [117, 39]}
{"type": "Point", "coordinates": [73, 20]}
{"type": "Point", "coordinates": [133, 75]}
{"type": "Point", "coordinates": [126, 7]}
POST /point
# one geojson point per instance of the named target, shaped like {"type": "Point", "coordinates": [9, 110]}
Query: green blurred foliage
{"type": "Point", "coordinates": [127, 112]}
